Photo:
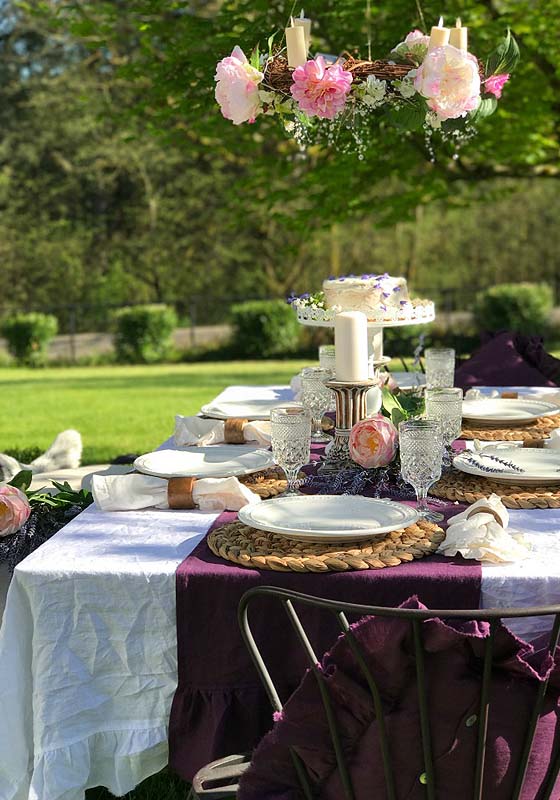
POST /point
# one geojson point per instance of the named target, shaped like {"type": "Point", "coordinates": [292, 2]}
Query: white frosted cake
{"type": "Point", "coordinates": [376, 296]}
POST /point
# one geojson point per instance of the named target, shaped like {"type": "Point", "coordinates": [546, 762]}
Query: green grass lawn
{"type": "Point", "coordinates": [117, 409]}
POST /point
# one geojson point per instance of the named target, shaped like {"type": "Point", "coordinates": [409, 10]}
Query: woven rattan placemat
{"type": "Point", "coordinates": [456, 485]}
{"type": "Point", "coordinates": [540, 429]}
{"type": "Point", "coordinates": [261, 550]}
{"type": "Point", "coordinates": [268, 483]}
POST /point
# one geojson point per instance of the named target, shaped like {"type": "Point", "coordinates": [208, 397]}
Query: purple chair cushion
{"type": "Point", "coordinates": [509, 359]}
{"type": "Point", "coordinates": [453, 658]}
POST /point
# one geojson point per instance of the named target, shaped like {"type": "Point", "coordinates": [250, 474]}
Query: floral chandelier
{"type": "Point", "coordinates": [429, 83]}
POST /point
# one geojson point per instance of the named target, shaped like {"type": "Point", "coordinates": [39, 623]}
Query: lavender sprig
{"type": "Point", "coordinates": [475, 463]}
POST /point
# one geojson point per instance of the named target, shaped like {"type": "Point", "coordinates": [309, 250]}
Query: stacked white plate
{"type": "Point", "coordinates": [215, 461]}
{"type": "Point", "coordinates": [502, 411]}
{"type": "Point", "coordinates": [509, 464]}
{"type": "Point", "coordinates": [328, 518]}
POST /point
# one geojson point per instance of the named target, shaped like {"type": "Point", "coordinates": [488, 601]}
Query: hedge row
{"type": "Point", "coordinates": [268, 328]}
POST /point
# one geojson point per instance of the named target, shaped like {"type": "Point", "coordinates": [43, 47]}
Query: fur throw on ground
{"type": "Point", "coordinates": [64, 453]}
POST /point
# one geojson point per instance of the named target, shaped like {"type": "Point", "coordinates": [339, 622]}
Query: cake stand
{"type": "Point", "coordinates": [319, 318]}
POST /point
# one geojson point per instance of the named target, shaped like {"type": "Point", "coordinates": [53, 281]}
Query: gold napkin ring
{"type": "Point", "coordinates": [509, 395]}
{"type": "Point", "coordinates": [486, 510]}
{"type": "Point", "coordinates": [179, 492]}
{"type": "Point", "coordinates": [533, 443]}
{"type": "Point", "coordinates": [233, 430]}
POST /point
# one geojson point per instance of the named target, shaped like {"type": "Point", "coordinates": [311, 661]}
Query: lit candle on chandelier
{"type": "Point", "coordinates": [305, 23]}
{"type": "Point", "coordinates": [295, 43]}
{"type": "Point", "coordinates": [439, 35]}
{"type": "Point", "coordinates": [458, 36]}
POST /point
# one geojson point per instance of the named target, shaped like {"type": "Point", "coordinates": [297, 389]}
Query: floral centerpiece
{"type": "Point", "coordinates": [428, 82]}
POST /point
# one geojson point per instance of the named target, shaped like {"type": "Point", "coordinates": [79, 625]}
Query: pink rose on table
{"type": "Point", "coordinates": [417, 37]}
{"type": "Point", "coordinates": [495, 83]}
{"type": "Point", "coordinates": [14, 509]}
{"type": "Point", "coordinates": [321, 91]}
{"type": "Point", "coordinates": [449, 80]}
{"type": "Point", "coordinates": [373, 442]}
{"type": "Point", "coordinates": [237, 88]}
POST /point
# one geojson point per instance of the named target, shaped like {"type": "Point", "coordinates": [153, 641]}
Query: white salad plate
{"type": "Point", "coordinates": [537, 467]}
{"type": "Point", "coordinates": [328, 518]}
{"type": "Point", "coordinates": [246, 409]}
{"type": "Point", "coordinates": [215, 461]}
{"type": "Point", "coordinates": [497, 411]}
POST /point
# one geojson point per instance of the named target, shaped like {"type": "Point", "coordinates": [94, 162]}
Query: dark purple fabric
{"type": "Point", "coordinates": [509, 359]}
{"type": "Point", "coordinates": [219, 706]}
{"type": "Point", "coordinates": [453, 658]}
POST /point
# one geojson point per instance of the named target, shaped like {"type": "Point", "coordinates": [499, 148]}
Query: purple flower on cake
{"type": "Point", "coordinates": [237, 90]}
{"type": "Point", "coordinates": [449, 80]}
{"type": "Point", "coordinates": [321, 91]}
{"type": "Point", "coordinates": [373, 442]}
{"type": "Point", "coordinates": [495, 83]}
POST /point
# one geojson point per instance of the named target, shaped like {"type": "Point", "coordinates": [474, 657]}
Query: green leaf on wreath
{"type": "Point", "coordinates": [486, 107]}
{"type": "Point", "coordinates": [410, 116]}
{"type": "Point", "coordinates": [504, 58]}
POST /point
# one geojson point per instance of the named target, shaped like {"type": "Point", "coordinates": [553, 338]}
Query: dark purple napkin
{"type": "Point", "coordinates": [509, 359]}
{"type": "Point", "coordinates": [453, 656]}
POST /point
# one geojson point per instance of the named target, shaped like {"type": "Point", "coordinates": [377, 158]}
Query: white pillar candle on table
{"type": "Point", "coordinates": [458, 36]}
{"type": "Point", "coordinates": [305, 23]}
{"type": "Point", "coordinates": [439, 35]}
{"type": "Point", "coordinates": [295, 42]}
{"type": "Point", "coordinates": [351, 346]}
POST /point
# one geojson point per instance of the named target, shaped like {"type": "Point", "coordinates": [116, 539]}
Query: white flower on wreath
{"type": "Point", "coordinates": [406, 86]}
{"type": "Point", "coordinates": [433, 120]}
{"type": "Point", "coordinates": [374, 92]}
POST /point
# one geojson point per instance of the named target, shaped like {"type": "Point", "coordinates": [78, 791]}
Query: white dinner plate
{"type": "Point", "coordinates": [215, 461]}
{"type": "Point", "coordinates": [247, 409]}
{"type": "Point", "coordinates": [497, 411]}
{"type": "Point", "coordinates": [328, 518]}
{"type": "Point", "coordinates": [538, 466]}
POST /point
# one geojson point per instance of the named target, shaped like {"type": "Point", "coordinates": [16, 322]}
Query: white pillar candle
{"type": "Point", "coordinates": [295, 42]}
{"type": "Point", "coordinates": [439, 35]}
{"type": "Point", "coordinates": [458, 36]}
{"type": "Point", "coordinates": [305, 23]}
{"type": "Point", "coordinates": [351, 346]}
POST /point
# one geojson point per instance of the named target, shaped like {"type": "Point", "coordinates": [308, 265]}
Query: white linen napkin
{"type": "Point", "coordinates": [202, 432]}
{"type": "Point", "coordinates": [553, 442]}
{"type": "Point", "coordinates": [477, 533]}
{"type": "Point", "coordinates": [295, 386]}
{"type": "Point", "coordinates": [132, 492]}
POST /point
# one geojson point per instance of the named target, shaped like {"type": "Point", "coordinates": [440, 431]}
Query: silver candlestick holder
{"type": "Point", "coordinates": [351, 408]}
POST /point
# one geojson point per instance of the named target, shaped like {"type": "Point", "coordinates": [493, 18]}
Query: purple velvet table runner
{"type": "Point", "coordinates": [220, 706]}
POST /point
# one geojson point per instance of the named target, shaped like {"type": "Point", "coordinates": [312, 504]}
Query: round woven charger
{"type": "Point", "coordinates": [539, 429]}
{"type": "Point", "coordinates": [269, 483]}
{"type": "Point", "coordinates": [252, 548]}
{"type": "Point", "coordinates": [456, 485]}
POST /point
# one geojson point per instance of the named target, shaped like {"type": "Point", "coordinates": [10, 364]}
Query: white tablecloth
{"type": "Point", "coordinates": [88, 643]}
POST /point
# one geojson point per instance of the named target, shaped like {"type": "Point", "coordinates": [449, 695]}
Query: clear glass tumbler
{"type": "Point", "coordinates": [316, 398]}
{"type": "Point", "coordinates": [421, 453]}
{"type": "Point", "coordinates": [291, 441]}
{"type": "Point", "coordinates": [446, 406]}
{"type": "Point", "coordinates": [327, 357]}
{"type": "Point", "coordinates": [440, 367]}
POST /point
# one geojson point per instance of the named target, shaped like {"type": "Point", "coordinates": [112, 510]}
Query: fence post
{"type": "Point", "coordinates": [72, 331]}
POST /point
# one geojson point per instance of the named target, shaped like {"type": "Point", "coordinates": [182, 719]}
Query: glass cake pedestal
{"type": "Point", "coordinates": [319, 318]}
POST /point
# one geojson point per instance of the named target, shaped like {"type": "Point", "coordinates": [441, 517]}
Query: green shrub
{"type": "Point", "coordinates": [264, 328]}
{"type": "Point", "coordinates": [28, 335]}
{"type": "Point", "coordinates": [143, 333]}
{"type": "Point", "coordinates": [521, 307]}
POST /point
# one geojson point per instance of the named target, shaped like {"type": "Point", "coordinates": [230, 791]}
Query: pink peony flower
{"type": "Point", "coordinates": [237, 89]}
{"type": "Point", "coordinates": [449, 80]}
{"type": "Point", "coordinates": [14, 509]}
{"type": "Point", "coordinates": [321, 91]}
{"type": "Point", "coordinates": [417, 37]}
{"type": "Point", "coordinates": [373, 442]}
{"type": "Point", "coordinates": [495, 83]}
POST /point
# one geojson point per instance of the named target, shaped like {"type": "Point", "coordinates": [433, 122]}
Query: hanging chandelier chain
{"type": "Point", "coordinates": [421, 15]}
{"type": "Point", "coordinates": [368, 27]}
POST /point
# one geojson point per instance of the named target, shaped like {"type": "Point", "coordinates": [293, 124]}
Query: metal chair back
{"type": "Point", "coordinates": [340, 610]}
